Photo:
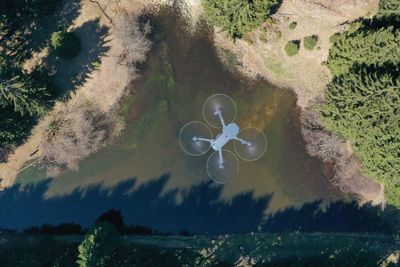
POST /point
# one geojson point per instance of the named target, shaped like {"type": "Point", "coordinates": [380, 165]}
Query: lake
{"type": "Point", "coordinates": [146, 174]}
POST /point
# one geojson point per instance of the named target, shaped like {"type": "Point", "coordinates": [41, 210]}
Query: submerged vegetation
{"type": "Point", "coordinates": [362, 101]}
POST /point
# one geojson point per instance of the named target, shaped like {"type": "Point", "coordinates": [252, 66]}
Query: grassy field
{"type": "Point", "coordinates": [270, 249]}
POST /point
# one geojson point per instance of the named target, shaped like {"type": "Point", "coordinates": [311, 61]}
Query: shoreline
{"type": "Point", "coordinates": [261, 54]}
{"type": "Point", "coordinates": [255, 55]}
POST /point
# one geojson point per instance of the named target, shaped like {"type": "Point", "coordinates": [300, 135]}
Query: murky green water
{"type": "Point", "coordinates": [182, 70]}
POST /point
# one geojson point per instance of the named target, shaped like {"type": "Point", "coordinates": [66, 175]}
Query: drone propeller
{"type": "Point", "coordinates": [219, 106]}
{"type": "Point", "coordinates": [250, 144]}
{"type": "Point", "coordinates": [222, 169]}
{"type": "Point", "coordinates": [193, 138]}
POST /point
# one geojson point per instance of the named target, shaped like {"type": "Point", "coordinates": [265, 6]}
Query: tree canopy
{"type": "Point", "coordinates": [375, 46]}
{"type": "Point", "coordinates": [99, 248]}
{"type": "Point", "coordinates": [362, 103]}
{"type": "Point", "coordinates": [238, 17]}
{"type": "Point", "coordinates": [364, 107]}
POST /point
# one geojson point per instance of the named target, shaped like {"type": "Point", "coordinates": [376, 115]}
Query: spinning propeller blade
{"type": "Point", "coordinates": [222, 172]}
{"type": "Point", "coordinates": [219, 102]}
{"type": "Point", "coordinates": [189, 138]}
{"type": "Point", "coordinates": [251, 144]}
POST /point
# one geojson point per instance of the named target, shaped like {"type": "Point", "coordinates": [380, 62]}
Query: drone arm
{"type": "Point", "coordinates": [219, 113]}
{"type": "Point", "coordinates": [202, 139]}
{"type": "Point", "coordinates": [221, 159]}
{"type": "Point", "coordinates": [243, 142]}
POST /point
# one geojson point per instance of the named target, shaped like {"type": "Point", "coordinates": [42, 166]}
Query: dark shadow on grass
{"type": "Point", "coordinates": [69, 73]}
{"type": "Point", "coordinates": [66, 13]}
{"type": "Point", "coordinates": [336, 217]}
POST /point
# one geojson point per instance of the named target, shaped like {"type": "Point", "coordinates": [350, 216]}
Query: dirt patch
{"type": "Point", "coordinates": [262, 51]}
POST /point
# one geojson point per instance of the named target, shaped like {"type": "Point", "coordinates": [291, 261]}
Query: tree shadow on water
{"type": "Point", "coordinates": [70, 73]}
{"type": "Point", "coordinates": [201, 210]}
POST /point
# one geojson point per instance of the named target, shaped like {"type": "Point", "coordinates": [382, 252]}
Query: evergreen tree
{"type": "Point", "coordinates": [364, 107]}
{"type": "Point", "coordinates": [13, 127]}
{"type": "Point", "coordinates": [238, 17]}
{"type": "Point", "coordinates": [372, 46]}
{"type": "Point", "coordinates": [17, 90]}
{"type": "Point", "coordinates": [100, 248]}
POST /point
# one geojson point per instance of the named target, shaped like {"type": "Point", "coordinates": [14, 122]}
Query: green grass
{"type": "Point", "coordinates": [274, 249]}
{"type": "Point", "coordinates": [277, 68]}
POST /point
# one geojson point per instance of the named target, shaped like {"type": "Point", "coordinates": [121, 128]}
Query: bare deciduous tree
{"type": "Point", "coordinates": [133, 36]}
{"type": "Point", "coordinates": [331, 148]}
{"type": "Point", "coordinates": [320, 142]}
{"type": "Point", "coordinates": [73, 132]}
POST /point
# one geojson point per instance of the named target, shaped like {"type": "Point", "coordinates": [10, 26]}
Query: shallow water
{"type": "Point", "coordinates": [182, 70]}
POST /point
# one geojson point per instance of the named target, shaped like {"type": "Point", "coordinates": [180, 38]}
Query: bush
{"type": "Point", "coordinates": [310, 42]}
{"type": "Point", "coordinates": [248, 14]}
{"type": "Point", "coordinates": [292, 47]}
{"type": "Point", "coordinates": [66, 44]}
{"type": "Point", "coordinates": [134, 37]}
{"type": "Point", "coordinates": [334, 38]}
{"type": "Point", "coordinates": [292, 25]}
{"type": "Point", "coordinates": [78, 129]}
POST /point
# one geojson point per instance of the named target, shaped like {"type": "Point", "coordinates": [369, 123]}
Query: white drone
{"type": "Point", "coordinates": [195, 139]}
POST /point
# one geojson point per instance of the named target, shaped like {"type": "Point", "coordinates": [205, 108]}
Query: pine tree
{"type": "Point", "coordinates": [363, 106]}
{"type": "Point", "coordinates": [18, 91]}
{"type": "Point", "coordinates": [238, 17]}
{"type": "Point", "coordinates": [100, 247]}
{"type": "Point", "coordinates": [364, 46]}
{"type": "Point", "coordinates": [13, 127]}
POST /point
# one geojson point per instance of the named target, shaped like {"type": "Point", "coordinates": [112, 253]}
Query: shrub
{"type": "Point", "coordinates": [238, 17]}
{"type": "Point", "coordinates": [310, 42]}
{"type": "Point", "coordinates": [134, 38]}
{"type": "Point", "coordinates": [292, 48]}
{"type": "Point", "coordinates": [334, 38]}
{"type": "Point", "coordinates": [78, 129]}
{"type": "Point", "coordinates": [66, 44]}
{"type": "Point", "coordinates": [292, 25]}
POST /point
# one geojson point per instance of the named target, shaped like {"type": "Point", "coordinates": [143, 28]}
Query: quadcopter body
{"type": "Point", "coordinates": [195, 139]}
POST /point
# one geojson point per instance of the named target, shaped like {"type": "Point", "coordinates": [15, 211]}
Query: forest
{"type": "Point", "coordinates": [362, 103]}
{"type": "Point", "coordinates": [110, 242]}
